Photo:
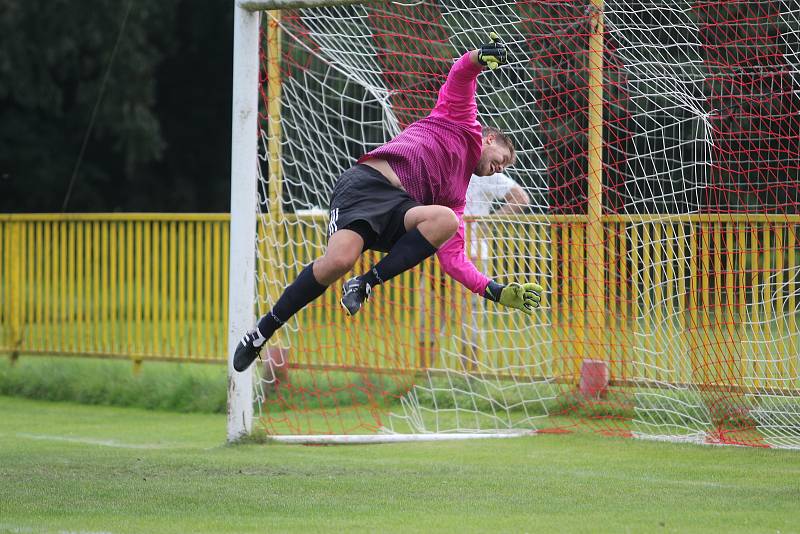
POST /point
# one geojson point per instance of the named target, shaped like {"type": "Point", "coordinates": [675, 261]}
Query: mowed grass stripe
{"type": "Point", "coordinates": [545, 483]}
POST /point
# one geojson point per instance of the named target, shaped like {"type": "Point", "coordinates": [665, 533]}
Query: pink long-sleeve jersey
{"type": "Point", "coordinates": [435, 158]}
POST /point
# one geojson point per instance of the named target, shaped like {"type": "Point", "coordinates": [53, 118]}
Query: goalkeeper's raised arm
{"type": "Point", "coordinates": [456, 100]}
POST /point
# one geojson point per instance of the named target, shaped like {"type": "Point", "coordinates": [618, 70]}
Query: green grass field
{"type": "Point", "coordinates": [73, 468]}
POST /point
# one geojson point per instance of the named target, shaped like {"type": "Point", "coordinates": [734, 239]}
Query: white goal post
{"type": "Point", "coordinates": [244, 199]}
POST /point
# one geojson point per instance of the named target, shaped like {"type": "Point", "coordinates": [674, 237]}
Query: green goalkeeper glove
{"type": "Point", "coordinates": [494, 54]}
{"type": "Point", "coordinates": [523, 297]}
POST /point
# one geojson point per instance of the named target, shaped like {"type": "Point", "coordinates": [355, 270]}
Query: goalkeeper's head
{"type": "Point", "coordinates": [497, 152]}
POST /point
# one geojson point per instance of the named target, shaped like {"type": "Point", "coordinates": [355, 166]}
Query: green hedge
{"type": "Point", "coordinates": [179, 387]}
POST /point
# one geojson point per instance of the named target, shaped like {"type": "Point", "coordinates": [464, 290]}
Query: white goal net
{"type": "Point", "coordinates": [658, 146]}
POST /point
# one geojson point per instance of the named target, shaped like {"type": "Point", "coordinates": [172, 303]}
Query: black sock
{"type": "Point", "coordinates": [295, 297]}
{"type": "Point", "coordinates": [410, 250]}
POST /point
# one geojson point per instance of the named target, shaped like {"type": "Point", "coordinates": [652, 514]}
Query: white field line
{"type": "Point", "coordinates": [393, 438]}
{"type": "Point", "coordinates": [649, 479]}
{"type": "Point", "coordinates": [93, 441]}
{"type": "Point", "coordinates": [5, 527]}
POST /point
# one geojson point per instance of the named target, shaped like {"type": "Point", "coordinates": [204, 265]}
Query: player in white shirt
{"type": "Point", "coordinates": [483, 194]}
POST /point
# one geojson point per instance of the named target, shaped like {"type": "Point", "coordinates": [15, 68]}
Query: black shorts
{"type": "Point", "coordinates": [364, 201]}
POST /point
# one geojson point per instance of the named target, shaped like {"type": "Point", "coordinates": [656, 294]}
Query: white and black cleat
{"type": "Point", "coordinates": [247, 351]}
{"type": "Point", "coordinates": [354, 293]}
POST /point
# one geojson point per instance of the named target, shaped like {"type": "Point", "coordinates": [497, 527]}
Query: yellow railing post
{"type": "Point", "coordinates": [16, 294]}
{"type": "Point", "coordinates": [274, 115]}
{"type": "Point", "coordinates": [792, 345]}
{"type": "Point", "coordinates": [595, 267]}
{"type": "Point", "coordinates": [3, 283]}
{"type": "Point", "coordinates": [13, 289]}
{"type": "Point", "coordinates": [580, 273]}
{"type": "Point", "coordinates": [765, 296]}
{"type": "Point", "coordinates": [275, 178]}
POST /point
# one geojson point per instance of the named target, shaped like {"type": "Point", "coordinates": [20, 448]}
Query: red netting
{"type": "Point", "coordinates": [688, 301]}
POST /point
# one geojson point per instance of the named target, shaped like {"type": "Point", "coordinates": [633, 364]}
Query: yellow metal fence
{"type": "Point", "coordinates": [702, 299]}
{"type": "Point", "coordinates": [154, 286]}
{"type": "Point", "coordinates": [138, 286]}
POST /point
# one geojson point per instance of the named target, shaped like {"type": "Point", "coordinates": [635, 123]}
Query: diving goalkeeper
{"type": "Point", "coordinates": [407, 198]}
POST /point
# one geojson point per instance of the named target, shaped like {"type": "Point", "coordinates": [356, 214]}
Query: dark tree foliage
{"type": "Point", "coordinates": [159, 140]}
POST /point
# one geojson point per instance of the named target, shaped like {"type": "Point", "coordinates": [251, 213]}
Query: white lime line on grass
{"type": "Point", "coordinates": [99, 442]}
{"type": "Point", "coordinates": [4, 527]}
{"type": "Point", "coordinates": [589, 473]}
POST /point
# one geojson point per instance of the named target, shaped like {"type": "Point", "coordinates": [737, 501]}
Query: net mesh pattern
{"type": "Point", "coordinates": [670, 313]}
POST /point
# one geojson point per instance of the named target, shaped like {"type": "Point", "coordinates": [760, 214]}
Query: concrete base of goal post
{"type": "Point", "coordinates": [275, 370]}
{"type": "Point", "coordinates": [594, 379]}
